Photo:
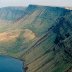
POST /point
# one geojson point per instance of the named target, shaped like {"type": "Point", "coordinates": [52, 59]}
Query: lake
{"type": "Point", "coordinates": [9, 64]}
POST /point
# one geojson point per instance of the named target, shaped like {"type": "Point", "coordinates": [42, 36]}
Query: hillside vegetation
{"type": "Point", "coordinates": [41, 36]}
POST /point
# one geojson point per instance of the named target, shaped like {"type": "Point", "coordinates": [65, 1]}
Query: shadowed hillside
{"type": "Point", "coordinates": [41, 36]}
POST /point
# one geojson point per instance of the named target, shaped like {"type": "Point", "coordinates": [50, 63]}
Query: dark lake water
{"type": "Point", "coordinates": [8, 64]}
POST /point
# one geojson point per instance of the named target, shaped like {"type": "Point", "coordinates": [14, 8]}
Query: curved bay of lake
{"type": "Point", "coordinates": [9, 64]}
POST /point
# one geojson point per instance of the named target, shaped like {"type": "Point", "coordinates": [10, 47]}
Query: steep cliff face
{"type": "Point", "coordinates": [39, 35]}
{"type": "Point", "coordinates": [52, 52]}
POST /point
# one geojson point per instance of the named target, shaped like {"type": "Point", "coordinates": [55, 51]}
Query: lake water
{"type": "Point", "coordinates": [8, 64]}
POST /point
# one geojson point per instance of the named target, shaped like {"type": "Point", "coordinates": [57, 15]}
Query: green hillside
{"type": "Point", "coordinates": [40, 36]}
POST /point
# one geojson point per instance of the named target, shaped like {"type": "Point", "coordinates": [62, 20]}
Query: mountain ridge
{"type": "Point", "coordinates": [40, 36]}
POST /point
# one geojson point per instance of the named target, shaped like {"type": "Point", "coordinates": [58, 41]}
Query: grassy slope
{"type": "Point", "coordinates": [37, 53]}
